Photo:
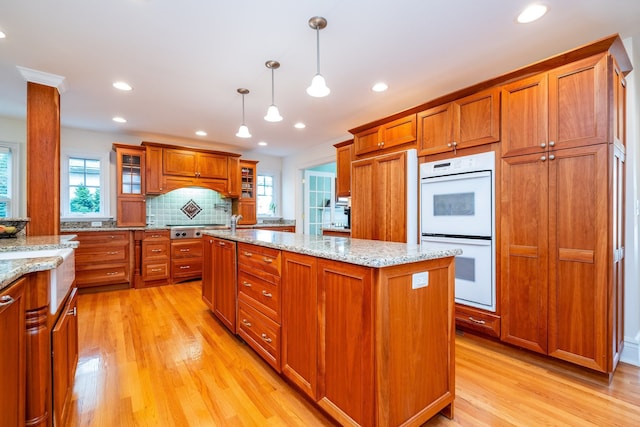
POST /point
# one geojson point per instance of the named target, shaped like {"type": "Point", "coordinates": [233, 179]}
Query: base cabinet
{"type": "Point", "coordinates": [13, 354]}
{"type": "Point", "coordinates": [186, 259]}
{"type": "Point", "coordinates": [219, 280]}
{"type": "Point", "coordinates": [64, 345]}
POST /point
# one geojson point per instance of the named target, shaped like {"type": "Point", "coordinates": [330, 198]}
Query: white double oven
{"type": "Point", "coordinates": [457, 211]}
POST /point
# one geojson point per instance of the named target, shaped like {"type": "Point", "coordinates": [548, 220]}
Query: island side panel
{"type": "Point", "coordinates": [415, 337]}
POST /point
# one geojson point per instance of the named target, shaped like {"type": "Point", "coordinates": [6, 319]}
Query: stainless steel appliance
{"type": "Point", "coordinates": [191, 231]}
{"type": "Point", "coordinates": [457, 211]}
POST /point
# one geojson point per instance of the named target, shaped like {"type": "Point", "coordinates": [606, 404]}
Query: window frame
{"type": "Point", "coordinates": [14, 198]}
{"type": "Point", "coordinates": [275, 176]}
{"type": "Point", "coordinates": [105, 194]}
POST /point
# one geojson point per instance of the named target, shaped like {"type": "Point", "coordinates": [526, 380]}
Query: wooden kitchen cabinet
{"type": "Point", "coordinates": [103, 258]}
{"type": "Point", "coordinates": [465, 122]}
{"type": "Point", "coordinates": [186, 259]}
{"type": "Point", "coordinates": [130, 194]}
{"type": "Point", "coordinates": [344, 156]}
{"type": "Point", "coordinates": [13, 354]}
{"type": "Point", "coordinates": [156, 257]}
{"type": "Point", "coordinates": [64, 345]}
{"type": "Point", "coordinates": [153, 171]}
{"type": "Point", "coordinates": [379, 203]}
{"type": "Point", "coordinates": [191, 163]}
{"type": "Point", "coordinates": [219, 280]}
{"type": "Point", "coordinates": [300, 321]}
{"type": "Point", "coordinates": [392, 134]}
{"type": "Point", "coordinates": [234, 178]}
{"type": "Point", "coordinates": [246, 205]}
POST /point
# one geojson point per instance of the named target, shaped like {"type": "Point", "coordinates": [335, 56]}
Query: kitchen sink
{"type": "Point", "coordinates": [62, 276]}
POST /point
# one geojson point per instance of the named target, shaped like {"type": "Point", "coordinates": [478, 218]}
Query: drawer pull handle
{"type": "Point", "coordinates": [185, 267]}
{"type": "Point", "coordinates": [184, 250]}
{"type": "Point", "coordinates": [73, 312]}
{"type": "Point", "coordinates": [112, 273]}
{"type": "Point", "coordinates": [248, 254]}
{"type": "Point", "coordinates": [155, 236]}
{"type": "Point", "coordinates": [156, 250]}
{"type": "Point", "coordinates": [246, 284]}
{"type": "Point", "coordinates": [479, 322]}
{"type": "Point", "coordinates": [155, 270]}
{"type": "Point", "coordinates": [265, 338]}
{"type": "Point", "coordinates": [113, 253]}
{"type": "Point", "coordinates": [112, 237]}
{"type": "Point", "coordinates": [221, 244]}
{"type": "Point", "coordinates": [267, 260]}
{"type": "Point", "coordinates": [267, 294]}
{"type": "Point", "coordinates": [246, 323]}
{"type": "Point", "coordinates": [6, 300]}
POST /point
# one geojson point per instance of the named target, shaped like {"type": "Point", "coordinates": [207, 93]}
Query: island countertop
{"type": "Point", "coordinates": [369, 253]}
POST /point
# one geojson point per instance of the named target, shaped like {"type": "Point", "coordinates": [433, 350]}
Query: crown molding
{"type": "Point", "coordinates": [43, 78]}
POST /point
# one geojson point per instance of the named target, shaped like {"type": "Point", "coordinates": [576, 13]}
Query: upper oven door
{"type": "Point", "coordinates": [457, 205]}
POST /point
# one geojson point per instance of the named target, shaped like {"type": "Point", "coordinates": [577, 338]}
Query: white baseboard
{"type": "Point", "coordinates": [631, 351]}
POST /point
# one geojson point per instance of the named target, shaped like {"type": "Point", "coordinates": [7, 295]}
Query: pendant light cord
{"type": "Point", "coordinates": [243, 108]}
{"type": "Point", "coordinates": [318, 49]}
{"type": "Point", "coordinates": [272, 89]}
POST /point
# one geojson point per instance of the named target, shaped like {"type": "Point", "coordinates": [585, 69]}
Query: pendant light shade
{"type": "Point", "coordinates": [243, 130]}
{"type": "Point", "coordinates": [318, 86]}
{"type": "Point", "coordinates": [273, 115]}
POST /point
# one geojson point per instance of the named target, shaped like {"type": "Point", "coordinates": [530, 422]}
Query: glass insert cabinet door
{"type": "Point", "coordinates": [131, 173]}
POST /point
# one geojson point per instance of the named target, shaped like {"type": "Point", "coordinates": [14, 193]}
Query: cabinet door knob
{"type": "Point", "coordinates": [267, 294]}
{"type": "Point", "coordinates": [246, 323]}
{"type": "Point", "coordinates": [552, 143]}
{"type": "Point", "coordinates": [221, 244]}
{"type": "Point", "coordinates": [543, 158]}
{"type": "Point", "coordinates": [552, 156]}
{"type": "Point", "coordinates": [543, 145]}
{"type": "Point", "coordinates": [265, 338]}
{"type": "Point", "coordinates": [6, 300]}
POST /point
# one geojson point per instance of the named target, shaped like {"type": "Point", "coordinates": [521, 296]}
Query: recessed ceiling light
{"type": "Point", "coordinates": [299, 125]}
{"type": "Point", "coordinates": [262, 143]}
{"type": "Point", "coordinates": [380, 87]}
{"type": "Point", "coordinates": [120, 120]}
{"type": "Point", "coordinates": [122, 86]}
{"type": "Point", "coordinates": [531, 13]}
{"type": "Point", "coordinates": [201, 133]}
{"type": "Point", "coordinates": [2, 34]}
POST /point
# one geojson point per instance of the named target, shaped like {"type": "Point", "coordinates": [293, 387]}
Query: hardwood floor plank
{"type": "Point", "coordinates": [159, 357]}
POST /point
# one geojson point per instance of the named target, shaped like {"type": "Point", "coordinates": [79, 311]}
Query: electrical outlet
{"type": "Point", "coordinates": [420, 280]}
{"type": "Point", "coordinates": [96, 223]}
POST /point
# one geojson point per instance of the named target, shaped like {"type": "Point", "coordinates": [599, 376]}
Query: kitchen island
{"type": "Point", "coordinates": [365, 329]}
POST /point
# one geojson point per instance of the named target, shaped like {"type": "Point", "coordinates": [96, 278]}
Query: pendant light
{"type": "Point", "coordinates": [318, 86]}
{"type": "Point", "coordinates": [243, 130]}
{"type": "Point", "coordinates": [273, 115]}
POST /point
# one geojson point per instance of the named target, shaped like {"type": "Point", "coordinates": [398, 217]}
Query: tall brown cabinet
{"type": "Point", "coordinates": [562, 212]}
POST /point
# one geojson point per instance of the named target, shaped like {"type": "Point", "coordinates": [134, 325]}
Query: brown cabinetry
{"type": "Point", "coordinates": [186, 259]}
{"type": "Point", "coordinates": [259, 300]}
{"type": "Point", "coordinates": [245, 205]}
{"type": "Point", "coordinates": [392, 134]}
{"type": "Point", "coordinates": [381, 182]}
{"type": "Point", "coordinates": [130, 171]}
{"type": "Point", "coordinates": [64, 346]}
{"type": "Point", "coordinates": [13, 354]}
{"type": "Point", "coordinates": [102, 258]}
{"type": "Point", "coordinates": [466, 122]}
{"type": "Point", "coordinates": [344, 156]}
{"type": "Point", "coordinates": [153, 175]}
{"type": "Point", "coordinates": [219, 280]}
{"type": "Point", "coordinates": [560, 204]}
{"type": "Point", "coordinates": [156, 262]}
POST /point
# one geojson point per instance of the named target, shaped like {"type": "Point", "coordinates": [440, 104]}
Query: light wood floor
{"type": "Point", "coordinates": [158, 357]}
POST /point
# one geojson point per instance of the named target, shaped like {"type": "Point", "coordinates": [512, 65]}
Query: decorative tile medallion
{"type": "Point", "coordinates": [191, 209]}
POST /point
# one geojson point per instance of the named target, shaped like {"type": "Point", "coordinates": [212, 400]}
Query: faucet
{"type": "Point", "coordinates": [234, 222]}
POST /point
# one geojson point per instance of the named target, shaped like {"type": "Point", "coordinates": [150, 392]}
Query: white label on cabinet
{"type": "Point", "coordinates": [420, 280]}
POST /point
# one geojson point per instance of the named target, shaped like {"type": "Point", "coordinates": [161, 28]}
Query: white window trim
{"type": "Point", "coordinates": [15, 177]}
{"type": "Point", "coordinates": [105, 194]}
{"type": "Point", "coordinates": [276, 193]}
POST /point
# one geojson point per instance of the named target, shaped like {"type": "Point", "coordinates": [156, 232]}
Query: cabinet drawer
{"type": "Point", "coordinates": [92, 254]}
{"type": "Point", "coordinates": [156, 236]}
{"type": "Point", "coordinates": [155, 271]}
{"type": "Point", "coordinates": [261, 333]}
{"type": "Point", "coordinates": [102, 276]}
{"type": "Point", "coordinates": [485, 323]}
{"type": "Point", "coordinates": [187, 267]}
{"type": "Point", "coordinates": [186, 249]}
{"type": "Point", "coordinates": [155, 249]}
{"type": "Point", "coordinates": [258, 257]}
{"type": "Point", "coordinates": [100, 237]}
{"type": "Point", "coordinates": [260, 293]}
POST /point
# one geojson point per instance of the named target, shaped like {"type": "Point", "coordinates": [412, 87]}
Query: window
{"type": "Point", "coordinates": [84, 186]}
{"type": "Point", "coordinates": [267, 205]}
{"type": "Point", "coordinates": [9, 165]}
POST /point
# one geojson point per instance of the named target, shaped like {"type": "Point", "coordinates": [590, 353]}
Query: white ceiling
{"type": "Point", "coordinates": [185, 59]}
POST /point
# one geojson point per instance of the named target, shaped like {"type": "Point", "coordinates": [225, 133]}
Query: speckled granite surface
{"type": "Point", "coordinates": [13, 269]}
{"type": "Point", "coordinates": [370, 253]}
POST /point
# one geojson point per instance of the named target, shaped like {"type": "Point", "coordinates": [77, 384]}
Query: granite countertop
{"type": "Point", "coordinates": [76, 229]}
{"type": "Point", "coordinates": [369, 253]}
{"type": "Point", "coordinates": [13, 269]}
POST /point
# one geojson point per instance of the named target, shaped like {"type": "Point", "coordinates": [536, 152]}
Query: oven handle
{"type": "Point", "coordinates": [468, 240]}
{"type": "Point", "coordinates": [455, 177]}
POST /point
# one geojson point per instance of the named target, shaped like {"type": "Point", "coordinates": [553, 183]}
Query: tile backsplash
{"type": "Point", "coordinates": [177, 206]}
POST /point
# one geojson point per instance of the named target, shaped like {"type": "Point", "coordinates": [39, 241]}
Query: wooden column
{"type": "Point", "coordinates": [43, 160]}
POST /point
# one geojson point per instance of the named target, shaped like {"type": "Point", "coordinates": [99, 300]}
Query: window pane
{"type": "Point", "coordinates": [84, 186]}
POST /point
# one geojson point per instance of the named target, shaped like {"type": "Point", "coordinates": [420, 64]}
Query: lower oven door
{"type": "Point", "coordinates": [475, 269]}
